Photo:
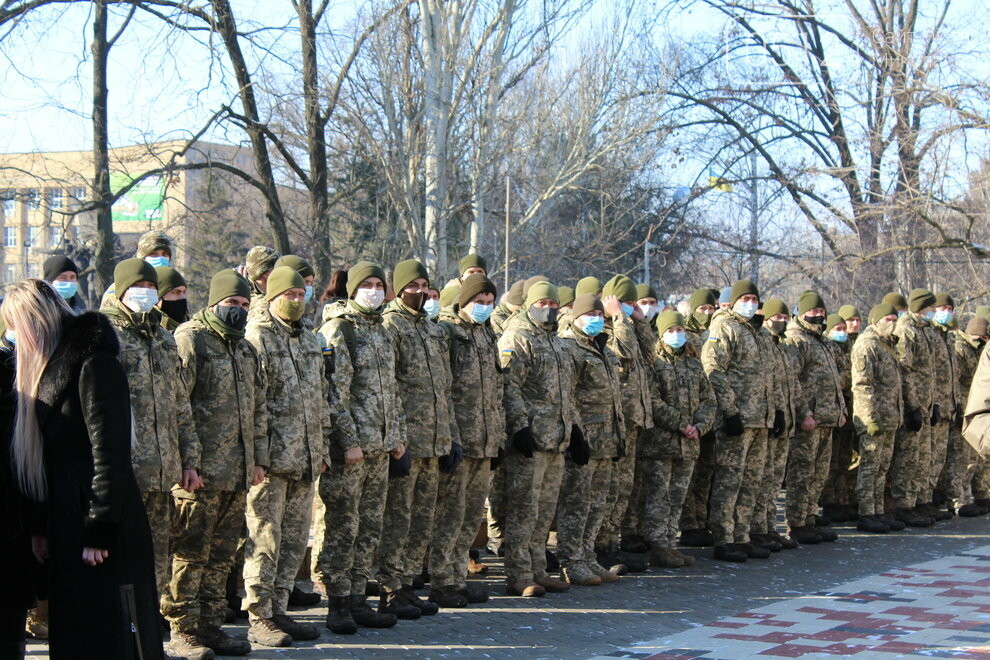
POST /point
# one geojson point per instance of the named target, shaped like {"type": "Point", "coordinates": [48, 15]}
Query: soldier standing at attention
{"type": "Point", "coordinates": [947, 398]}
{"type": "Point", "coordinates": [963, 459]}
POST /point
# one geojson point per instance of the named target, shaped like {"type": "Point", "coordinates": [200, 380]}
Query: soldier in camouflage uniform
{"type": "Point", "coordinates": [916, 352]}
{"type": "Point", "coordinates": [877, 414]}
{"type": "Point", "coordinates": [621, 314]}
{"type": "Point", "coordinates": [588, 284]}
{"type": "Point", "coordinates": [476, 399]}
{"type": "Point", "coordinates": [732, 359]}
{"type": "Point", "coordinates": [540, 421]}
{"type": "Point", "coordinates": [821, 408]}
{"type": "Point", "coordinates": [160, 407]}
{"type": "Point", "coordinates": [948, 400]}
{"type": "Point", "coordinates": [422, 374]}
{"type": "Point", "coordinates": [226, 388]}
{"type": "Point", "coordinates": [584, 492]}
{"type": "Point", "coordinates": [279, 509]}
{"type": "Point", "coordinates": [683, 410]}
{"type": "Point", "coordinates": [369, 429]}
{"type": "Point", "coordinates": [839, 494]}
{"type": "Point", "coordinates": [258, 264]}
{"type": "Point", "coordinates": [962, 459]}
{"type": "Point", "coordinates": [511, 301]}
{"type": "Point", "coordinates": [173, 302]}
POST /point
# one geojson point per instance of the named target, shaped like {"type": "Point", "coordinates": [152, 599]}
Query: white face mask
{"type": "Point", "coordinates": [369, 298]}
{"type": "Point", "coordinates": [140, 300]}
{"type": "Point", "coordinates": [649, 311]}
{"type": "Point", "coordinates": [431, 308]}
{"type": "Point", "coordinates": [746, 309]}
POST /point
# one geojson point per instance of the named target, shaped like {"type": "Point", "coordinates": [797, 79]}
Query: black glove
{"type": "Point", "coordinates": [497, 460]}
{"type": "Point", "coordinates": [734, 426]}
{"type": "Point", "coordinates": [450, 462]}
{"type": "Point", "coordinates": [399, 467]}
{"type": "Point", "coordinates": [936, 414]}
{"type": "Point", "coordinates": [913, 420]}
{"type": "Point", "coordinates": [524, 442]}
{"type": "Point", "coordinates": [779, 424]}
{"type": "Point", "coordinates": [579, 449]}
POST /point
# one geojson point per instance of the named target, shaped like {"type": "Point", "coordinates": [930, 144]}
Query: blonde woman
{"type": "Point", "coordinates": [71, 454]}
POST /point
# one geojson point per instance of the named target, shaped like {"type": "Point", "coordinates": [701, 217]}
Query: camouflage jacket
{"type": "Point", "coordinates": [818, 374]}
{"type": "Point", "coordinates": [422, 374]}
{"type": "Point", "coordinates": [597, 401]}
{"type": "Point", "coordinates": [539, 386]}
{"type": "Point", "coordinates": [361, 370]}
{"type": "Point", "coordinates": [781, 394]}
{"type": "Point", "coordinates": [945, 384]}
{"type": "Point", "coordinates": [499, 318]}
{"type": "Point", "coordinates": [477, 386]}
{"type": "Point", "coordinates": [876, 382]}
{"type": "Point", "coordinates": [634, 378]}
{"type": "Point", "coordinates": [161, 413]}
{"type": "Point", "coordinates": [915, 355]}
{"type": "Point", "coordinates": [647, 335]}
{"type": "Point", "coordinates": [297, 395]}
{"type": "Point", "coordinates": [681, 396]}
{"type": "Point", "coordinates": [695, 332]}
{"type": "Point", "coordinates": [564, 320]}
{"type": "Point", "coordinates": [967, 355]}
{"type": "Point", "coordinates": [732, 359]}
{"type": "Point", "coordinates": [169, 324]}
{"type": "Point", "coordinates": [785, 372]}
{"type": "Point", "coordinates": [226, 388]}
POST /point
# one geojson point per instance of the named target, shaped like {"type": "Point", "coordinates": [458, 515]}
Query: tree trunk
{"type": "Point", "coordinates": [435, 119]}
{"type": "Point", "coordinates": [101, 194]}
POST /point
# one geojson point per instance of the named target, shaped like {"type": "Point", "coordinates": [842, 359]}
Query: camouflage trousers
{"type": "Point", "coordinates": [840, 487]}
{"type": "Point", "coordinates": [960, 468]}
{"type": "Point", "coordinates": [208, 530]}
{"type": "Point", "coordinates": [694, 514]}
{"type": "Point", "coordinates": [353, 499]}
{"type": "Point", "coordinates": [621, 487]}
{"type": "Point", "coordinates": [981, 480]}
{"type": "Point", "coordinates": [496, 508]}
{"type": "Point", "coordinates": [460, 503]}
{"type": "Point", "coordinates": [158, 506]}
{"type": "Point", "coordinates": [531, 489]}
{"type": "Point", "coordinates": [808, 460]}
{"type": "Point", "coordinates": [875, 454]}
{"type": "Point", "coordinates": [939, 450]}
{"type": "Point", "coordinates": [278, 511]}
{"type": "Point", "coordinates": [739, 466]}
{"type": "Point", "coordinates": [765, 516]}
{"type": "Point", "coordinates": [581, 509]}
{"type": "Point", "coordinates": [665, 485]}
{"type": "Point", "coordinates": [408, 524]}
{"type": "Point", "coordinates": [909, 467]}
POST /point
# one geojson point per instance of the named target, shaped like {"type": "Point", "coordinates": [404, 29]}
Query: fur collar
{"type": "Point", "coordinates": [82, 337]}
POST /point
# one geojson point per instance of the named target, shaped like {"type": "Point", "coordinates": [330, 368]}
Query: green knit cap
{"type": "Point", "coordinates": [669, 319]}
{"type": "Point", "coordinates": [169, 279]}
{"type": "Point", "coordinates": [646, 291]}
{"type": "Point", "coordinates": [361, 271]}
{"type": "Point", "coordinates": [450, 294]}
{"type": "Point", "coordinates": [297, 264]}
{"type": "Point", "coordinates": [918, 299]}
{"type": "Point", "coordinates": [882, 310]}
{"type": "Point", "coordinates": [742, 288]}
{"type": "Point", "coordinates": [131, 271]}
{"type": "Point", "coordinates": [541, 291]}
{"type": "Point", "coordinates": [566, 294]}
{"type": "Point", "coordinates": [895, 300]}
{"type": "Point", "coordinates": [588, 285]}
{"type": "Point", "coordinates": [621, 287]}
{"type": "Point", "coordinates": [701, 297]}
{"type": "Point", "coordinates": [472, 261]}
{"type": "Point", "coordinates": [775, 306]}
{"type": "Point", "coordinates": [227, 283]}
{"type": "Point", "coordinates": [281, 280]}
{"type": "Point", "coordinates": [943, 300]}
{"type": "Point", "coordinates": [515, 295]}
{"type": "Point", "coordinates": [259, 260]}
{"type": "Point", "coordinates": [810, 300]}
{"type": "Point", "coordinates": [833, 320]}
{"type": "Point", "coordinates": [585, 303]}
{"type": "Point", "coordinates": [530, 282]}
{"type": "Point", "coordinates": [849, 312]}
{"type": "Point", "coordinates": [407, 271]}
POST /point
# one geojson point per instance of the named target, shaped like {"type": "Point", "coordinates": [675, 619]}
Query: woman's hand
{"type": "Point", "coordinates": [39, 548]}
{"type": "Point", "coordinates": [94, 556]}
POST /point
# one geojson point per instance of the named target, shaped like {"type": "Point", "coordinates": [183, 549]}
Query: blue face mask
{"type": "Point", "coordinates": [309, 292]}
{"type": "Point", "coordinates": [746, 309]}
{"type": "Point", "coordinates": [928, 316]}
{"type": "Point", "coordinates": [479, 313]}
{"type": "Point", "coordinates": [593, 325]}
{"type": "Point", "coordinates": [10, 336]}
{"type": "Point", "coordinates": [432, 308]}
{"type": "Point", "coordinates": [943, 317]}
{"type": "Point", "coordinates": [900, 313]}
{"type": "Point", "coordinates": [674, 339]}
{"type": "Point", "coordinates": [66, 289]}
{"type": "Point", "coordinates": [158, 262]}
{"type": "Point", "coordinates": [840, 336]}
{"type": "Point", "coordinates": [627, 310]}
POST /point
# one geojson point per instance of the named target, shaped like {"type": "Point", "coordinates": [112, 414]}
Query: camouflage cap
{"type": "Point", "coordinates": [259, 260]}
{"type": "Point", "coordinates": [152, 241]}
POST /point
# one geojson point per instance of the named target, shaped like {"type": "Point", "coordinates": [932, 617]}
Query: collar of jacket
{"type": "Point", "coordinates": [146, 323]}
{"type": "Point", "coordinates": [974, 342]}
{"type": "Point", "coordinates": [538, 327]}
{"type": "Point", "coordinates": [915, 319]}
{"type": "Point", "coordinates": [809, 328]}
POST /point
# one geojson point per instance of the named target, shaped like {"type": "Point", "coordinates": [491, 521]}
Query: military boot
{"type": "Point", "coordinates": [686, 559]}
{"type": "Point", "coordinates": [447, 596]}
{"type": "Point", "coordinates": [188, 645]}
{"type": "Point", "coordinates": [970, 511]}
{"type": "Point", "coordinates": [36, 624]}
{"type": "Point", "coordinates": [299, 632]}
{"type": "Point", "coordinates": [911, 518]}
{"type": "Point", "coordinates": [473, 594]}
{"type": "Point", "coordinates": [665, 558]}
{"type": "Point", "coordinates": [268, 633]}
{"type": "Point", "coordinates": [223, 644]}
{"type": "Point", "coordinates": [363, 615]}
{"type": "Point", "coordinates": [765, 541]}
{"type": "Point", "coordinates": [785, 542]}
{"type": "Point", "coordinates": [728, 552]}
{"type": "Point", "coordinates": [339, 619]}
{"type": "Point", "coordinates": [608, 556]}
{"type": "Point", "coordinates": [394, 602]}
{"type": "Point", "coordinates": [871, 525]}
{"type": "Point", "coordinates": [890, 521]}
{"type": "Point", "coordinates": [551, 585]}
{"type": "Point", "coordinates": [635, 544]}
{"type": "Point", "coordinates": [697, 538]}
{"type": "Point", "coordinates": [525, 589]}
{"type": "Point", "coordinates": [425, 607]}
{"type": "Point", "coordinates": [580, 575]}
{"type": "Point", "coordinates": [602, 572]}
{"type": "Point", "coordinates": [300, 598]}
{"type": "Point", "coordinates": [752, 550]}
{"type": "Point", "coordinates": [827, 535]}
{"type": "Point", "coordinates": [805, 535]}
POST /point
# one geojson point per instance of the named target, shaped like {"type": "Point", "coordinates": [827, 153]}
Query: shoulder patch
{"type": "Point", "coordinates": [713, 339]}
{"type": "Point", "coordinates": [327, 349]}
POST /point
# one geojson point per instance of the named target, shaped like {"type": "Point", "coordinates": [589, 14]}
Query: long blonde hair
{"type": "Point", "coordinates": [36, 313]}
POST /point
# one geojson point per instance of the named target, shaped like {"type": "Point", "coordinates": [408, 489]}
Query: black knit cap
{"type": "Point", "coordinates": [55, 266]}
{"type": "Point", "coordinates": [474, 285]}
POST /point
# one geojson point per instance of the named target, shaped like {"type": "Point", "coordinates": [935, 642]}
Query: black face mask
{"type": "Point", "coordinates": [177, 310]}
{"type": "Point", "coordinates": [234, 317]}
{"type": "Point", "coordinates": [413, 301]}
{"type": "Point", "coordinates": [756, 321]}
{"type": "Point", "coordinates": [815, 320]}
{"type": "Point", "coordinates": [778, 327]}
{"type": "Point", "coordinates": [544, 315]}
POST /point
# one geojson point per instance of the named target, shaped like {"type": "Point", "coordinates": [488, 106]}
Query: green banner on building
{"type": "Point", "coordinates": [144, 202]}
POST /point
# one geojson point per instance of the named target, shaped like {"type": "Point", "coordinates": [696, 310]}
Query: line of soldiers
{"type": "Point", "coordinates": [628, 426]}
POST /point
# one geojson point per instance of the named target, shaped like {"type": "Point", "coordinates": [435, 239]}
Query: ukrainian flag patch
{"type": "Point", "coordinates": [327, 349]}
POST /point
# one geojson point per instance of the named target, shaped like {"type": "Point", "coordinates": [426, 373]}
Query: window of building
{"type": "Point", "coordinates": [78, 195]}
{"type": "Point", "coordinates": [32, 197]}
{"type": "Point", "coordinates": [10, 236]}
{"type": "Point", "coordinates": [55, 199]}
{"type": "Point", "coordinates": [9, 274]}
{"type": "Point", "coordinates": [31, 270]}
{"type": "Point", "coordinates": [55, 235]}
{"type": "Point", "coordinates": [8, 202]}
{"type": "Point", "coordinates": [34, 233]}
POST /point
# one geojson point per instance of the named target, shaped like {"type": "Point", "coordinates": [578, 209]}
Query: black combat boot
{"type": "Point", "coordinates": [363, 615]}
{"type": "Point", "coordinates": [339, 619]}
{"type": "Point", "coordinates": [394, 602]}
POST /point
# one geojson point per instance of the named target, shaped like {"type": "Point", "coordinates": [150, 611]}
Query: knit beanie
{"type": "Point", "coordinates": [471, 261]}
{"type": "Point", "coordinates": [742, 288]}
{"type": "Point", "coordinates": [809, 300]}
{"type": "Point", "coordinates": [701, 297]}
{"type": "Point", "coordinates": [530, 282]}
{"type": "Point", "coordinates": [361, 271]}
{"type": "Point", "coordinates": [281, 280]}
{"type": "Point", "coordinates": [566, 294]}
{"type": "Point", "coordinates": [918, 299]}
{"type": "Point", "coordinates": [882, 310]}
{"type": "Point", "coordinates": [895, 300]}
{"type": "Point", "coordinates": [450, 294]}
{"type": "Point", "coordinates": [621, 287]}
{"type": "Point", "coordinates": [153, 241]}
{"type": "Point", "coordinates": [407, 271]}
{"type": "Point", "coordinates": [978, 327]}
{"type": "Point", "coordinates": [228, 283]}
{"type": "Point", "coordinates": [646, 291]}
{"type": "Point", "coordinates": [297, 264]}
{"type": "Point", "coordinates": [55, 266]}
{"type": "Point", "coordinates": [131, 271]}
{"type": "Point", "coordinates": [586, 302]}
{"type": "Point", "coordinates": [833, 320]}
{"type": "Point", "coordinates": [515, 294]}
{"type": "Point", "coordinates": [725, 296]}
{"type": "Point", "coordinates": [473, 285]}
{"type": "Point", "coordinates": [541, 291]}
{"type": "Point", "coordinates": [669, 319]}
{"type": "Point", "coordinates": [775, 306]}
{"type": "Point", "coordinates": [259, 260]}
{"type": "Point", "coordinates": [849, 312]}
{"type": "Point", "coordinates": [943, 300]}
{"type": "Point", "coordinates": [169, 279]}
{"type": "Point", "coordinates": [588, 285]}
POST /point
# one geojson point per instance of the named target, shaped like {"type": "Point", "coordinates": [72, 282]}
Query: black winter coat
{"type": "Point", "coordinates": [105, 611]}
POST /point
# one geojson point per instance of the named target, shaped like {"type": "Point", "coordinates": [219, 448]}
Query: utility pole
{"type": "Point", "coordinates": [506, 289]}
{"type": "Point", "coordinates": [754, 220]}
